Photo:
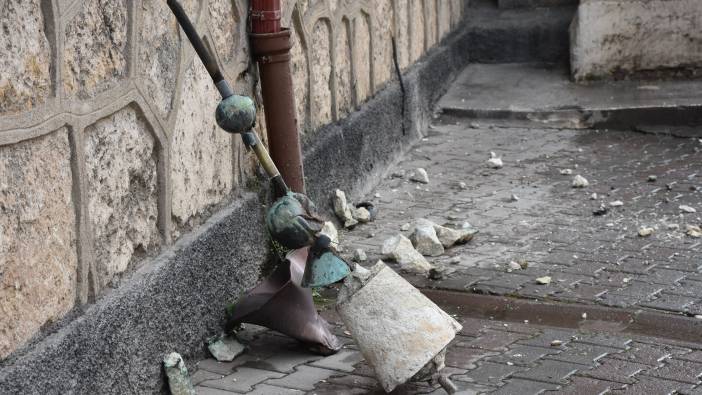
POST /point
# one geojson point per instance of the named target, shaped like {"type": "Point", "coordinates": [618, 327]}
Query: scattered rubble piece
{"type": "Point", "coordinates": [580, 182]}
{"type": "Point", "coordinates": [462, 185]}
{"type": "Point", "coordinates": [566, 172]}
{"type": "Point", "coordinates": [450, 237]}
{"type": "Point", "coordinates": [342, 209]}
{"type": "Point", "coordinates": [645, 231]}
{"type": "Point", "coordinates": [652, 178]}
{"type": "Point", "coordinates": [672, 226]}
{"type": "Point", "coordinates": [178, 378]}
{"type": "Point", "coordinates": [425, 240]}
{"type": "Point", "coordinates": [514, 266]}
{"type": "Point", "coordinates": [583, 316]}
{"type": "Point", "coordinates": [420, 176]}
{"type": "Point", "coordinates": [225, 348]}
{"type": "Point", "coordinates": [556, 343]}
{"type": "Point", "coordinates": [398, 174]}
{"type": "Point", "coordinates": [514, 198]}
{"type": "Point", "coordinates": [698, 316]}
{"type": "Point", "coordinates": [370, 207]}
{"type": "Point", "coordinates": [405, 227]}
{"type": "Point", "coordinates": [474, 125]}
{"type": "Point", "coordinates": [694, 231]}
{"type": "Point", "coordinates": [616, 203]}
{"type": "Point", "coordinates": [330, 231]}
{"type": "Point", "coordinates": [399, 248]}
{"type": "Point", "coordinates": [602, 210]}
{"type": "Point", "coordinates": [436, 274]}
{"type": "Point", "coordinates": [359, 255]}
{"type": "Point", "coordinates": [494, 162]}
{"type": "Point", "coordinates": [543, 280]}
{"type": "Point", "coordinates": [455, 260]}
{"type": "Point", "coordinates": [362, 215]}
{"type": "Point", "coordinates": [687, 209]}
{"type": "Point", "coordinates": [593, 196]}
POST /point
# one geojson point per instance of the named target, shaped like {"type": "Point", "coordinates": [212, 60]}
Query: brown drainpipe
{"type": "Point", "coordinates": [271, 48]}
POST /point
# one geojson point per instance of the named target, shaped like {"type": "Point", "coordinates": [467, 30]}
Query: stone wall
{"type": "Point", "coordinates": [616, 38]}
{"type": "Point", "coordinates": [108, 147]}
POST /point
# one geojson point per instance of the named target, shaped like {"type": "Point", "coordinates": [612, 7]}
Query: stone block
{"type": "Point", "coordinates": [121, 160]}
{"type": "Point", "coordinates": [320, 57]}
{"type": "Point", "coordinates": [95, 49]}
{"type": "Point", "coordinates": [38, 259]}
{"type": "Point", "coordinates": [300, 77]}
{"type": "Point", "coordinates": [361, 57]}
{"type": "Point", "coordinates": [383, 66]}
{"type": "Point", "coordinates": [344, 87]}
{"type": "Point", "coordinates": [402, 34]}
{"type": "Point", "coordinates": [615, 37]}
{"type": "Point", "coordinates": [25, 56]}
{"type": "Point", "coordinates": [201, 152]}
{"type": "Point", "coordinates": [228, 32]}
{"type": "Point", "coordinates": [158, 53]}
{"type": "Point", "coordinates": [416, 30]}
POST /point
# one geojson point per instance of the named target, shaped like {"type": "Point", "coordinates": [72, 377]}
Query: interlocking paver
{"type": "Point", "coordinates": [616, 370]}
{"type": "Point", "coordinates": [344, 361]}
{"type": "Point", "coordinates": [242, 380]}
{"type": "Point", "coordinates": [678, 370]}
{"type": "Point", "coordinates": [582, 353]}
{"type": "Point", "coordinates": [524, 387]}
{"type": "Point", "coordinates": [489, 373]}
{"type": "Point", "coordinates": [304, 378]}
{"type": "Point", "coordinates": [550, 371]}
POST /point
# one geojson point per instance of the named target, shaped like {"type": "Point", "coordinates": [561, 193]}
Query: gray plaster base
{"type": "Point", "coordinates": [177, 301]}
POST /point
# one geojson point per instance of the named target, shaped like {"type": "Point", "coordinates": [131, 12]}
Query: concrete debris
{"type": "Point", "coordinates": [583, 316]}
{"type": "Point", "coordinates": [687, 209]}
{"type": "Point", "coordinates": [399, 248]}
{"type": "Point", "coordinates": [405, 227]}
{"type": "Point", "coordinates": [616, 203]}
{"type": "Point", "coordinates": [225, 348]}
{"type": "Point", "coordinates": [514, 266]}
{"type": "Point", "coordinates": [474, 125]}
{"type": "Point", "coordinates": [514, 198]}
{"type": "Point", "coordinates": [694, 231]}
{"type": "Point", "coordinates": [362, 215]}
{"type": "Point", "coordinates": [593, 196]}
{"type": "Point", "coordinates": [494, 162]}
{"type": "Point", "coordinates": [556, 343]}
{"type": "Point", "coordinates": [330, 231]}
{"type": "Point", "coordinates": [455, 260]}
{"type": "Point", "coordinates": [425, 240]}
{"type": "Point", "coordinates": [359, 255]}
{"type": "Point", "coordinates": [580, 182]}
{"type": "Point", "coordinates": [450, 237]}
{"type": "Point", "coordinates": [462, 185]}
{"type": "Point", "coordinates": [544, 280]}
{"type": "Point", "coordinates": [566, 172]}
{"type": "Point", "coordinates": [420, 175]}
{"type": "Point", "coordinates": [672, 226]}
{"type": "Point", "coordinates": [602, 210]}
{"type": "Point", "coordinates": [698, 316]}
{"type": "Point", "coordinates": [342, 209]}
{"type": "Point", "coordinates": [398, 174]}
{"type": "Point", "coordinates": [652, 178]}
{"type": "Point", "coordinates": [178, 378]}
{"type": "Point", "coordinates": [645, 231]}
{"type": "Point", "coordinates": [436, 274]}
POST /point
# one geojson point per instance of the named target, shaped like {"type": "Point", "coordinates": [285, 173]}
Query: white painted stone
{"type": "Point", "coordinates": [609, 36]}
{"type": "Point", "coordinates": [425, 240]}
{"type": "Point", "coordinates": [450, 237]}
{"type": "Point", "coordinates": [580, 182]}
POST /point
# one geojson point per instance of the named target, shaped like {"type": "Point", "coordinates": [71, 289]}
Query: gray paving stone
{"type": "Point", "coordinates": [202, 375]}
{"type": "Point", "coordinates": [523, 355]}
{"type": "Point", "coordinates": [524, 387]}
{"type": "Point", "coordinates": [678, 370]}
{"type": "Point", "coordinates": [582, 353]}
{"type": "Point", "coordinates": [200, 390]}
{"type": "Point", "coordinates": [616, 370]}
{"type": "Point", "coordinates": [284, 361]}
{"type": "Point", "coordinates": [489, 373]}
{"type": "Point", "coordinates": [551, 371]}
{"type": "Point", "coordinates": [304, 378]}
{"type": "Point", "coordinates": [265, 389]}
{"type": "Point", "coordinates": [242, 380]}
{"type": "Point", "coordinates": [344, 360]}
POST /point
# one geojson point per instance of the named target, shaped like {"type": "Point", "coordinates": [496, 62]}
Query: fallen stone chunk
{"type": "Point", "coordinates": [405, 227]}
{"type": "Point", "coordinates": [436, 274]}
{"type": "Point", "coordinates": [330, 231]}
{"type": "Point", "coordinates": [398, 174]}
{"type": "Point", "coordinates": [602, 210]}
{"type": "Point", "coordinates": [370, 207]}
{"type": "Point", "coordinates": [514, 266]}
{"type": "Point", "coordinates": [616, 203]}
{"type": "Point", "coordinates": [593, 196]}
{"type": "Point", "coordinates": [645, 231]}
{"type": "Point", "coordinates": [543, 280]}
{"type": "Point", "coordinates": [420, 175]}
{"type": "Point", "coordinates": [566, 172]}
{"type": "Point", "coordinates": [399, 248]}
{"type": "Point", "coordinates": [225, 348]}
{"type": "Point", "coordinates": [514, 198]}
{"type": "Point", "coordinates": [450, 237]}
{"type": "Point", "coordinates": [494, 162]}
{"type": "Point", "coordinates": [687, 209]}
{"type": "Point", "coordinates": [178, 378]}
{"type": "Point", "coordinates": [580, 182]}
{"type": "Point", "coordinates": [694, 231]}
{"type": "Point", "coordinates": [362, 215]}
{"type": "Point", "coordinates": [556, 343]}
{"type": "Point", "coordinates": [342, 209]}
{"type": "Point", "coordinates": [652, 178]}
{"type": "Point", "coordinates": [425, 240]}
{"type": "Point", "coordinates": [359, 255]}
{"type": "Point", "coordinates": [672, 226]}
{"type": "Point", "coordinates": [462, 185]}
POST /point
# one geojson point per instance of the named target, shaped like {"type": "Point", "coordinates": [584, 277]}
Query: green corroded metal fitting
{"type": "Point", "coordinates": [236, 114]}
{"type": "Point", "coordinates": [291, 221]}
{"type": "Point", "coordinates": [324, 269]}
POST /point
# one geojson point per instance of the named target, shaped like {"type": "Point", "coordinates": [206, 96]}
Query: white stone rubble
{"type": "Point", "coordinates": [399, 248]}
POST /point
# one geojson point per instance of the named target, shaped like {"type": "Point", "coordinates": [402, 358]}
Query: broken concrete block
{"type": "Point", "coordinates": [543, 280]}
{"type": "Point", "coordinates": [362, 215]}
{"type": "Point", "coordinates": [400, 249]}
{"type": "Point", "coordinates": [645, 231]}
{"type": "Point", "coordinates": [329, 230]}
{"type": "Point", "coordinates": [359, 255]}
{"type": "Point", "coordinates": [687, 209]}
{"type": "Point", "coordinates": [425, 240]}
{"type": "Point", "coordinates": [450, 237]}
{"type": "Point", "coordinates": [580, 182]}
{"type": "Point", "coordinates": [178, 378]}
{"type": "Point", "coordinates": [420, 175]}
{"type": "Point", "coordinates": [342, 209]}
{"type": "Point", "coordinates": [694, 231]}
{"type": "Point", "coordinates": [494, 162]}
{"type": "Point", "coordinates": [225, 348]}
{"type": "Point", "coordinates": [616, 203]}
{"type": "Point", "coordinates": [566, 172]}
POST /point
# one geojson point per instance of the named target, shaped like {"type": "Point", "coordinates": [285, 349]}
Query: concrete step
{"type": "Point", "coordinates": [546, 95]}
{"type": "Point", "coordinates": [509, 35]}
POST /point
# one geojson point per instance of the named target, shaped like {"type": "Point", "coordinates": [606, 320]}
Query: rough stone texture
{"type": "Point", "coordinates": [430, 15]}
{"type": "Point", "coordinates": [361, 57]}
{"type": "Point", "coordinates": [425, 240]}
{"type": "Point", "coordinates": [444, 18]}
{"type": "Point", "coordinates": [121, 164]}
{"type": "Point", "coordinates": [25, 56]}
{"type": "Point", "coordinates": [95, 48]}
{"type": "Point", "coordinates": [37, 237]}
{"type": "Point", "coordinates": [320, 57]}
{"type": "Point", "coordinates": [456, 11]}
{"type": "Point", "coordinates": [402, 32]}
{"type": "Point", "coordinates": [344, 88]}
{"type": "Point", "coordinates": [157, 53]}
{"type": "Point", "coordinates": [628, 36]}
{"type": "Point", "coordinates": [399, 249]}
{"type": "Point", "coordinates": [416, 39]}
{"type": "Point", "coordinates": [228, 33]}
{"type": "Point", "coordinates": [300, 76]}
{"type": "Point", "coordinates": [201, 164]}
{"type": "Point", "coordinates": [384, 22]}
